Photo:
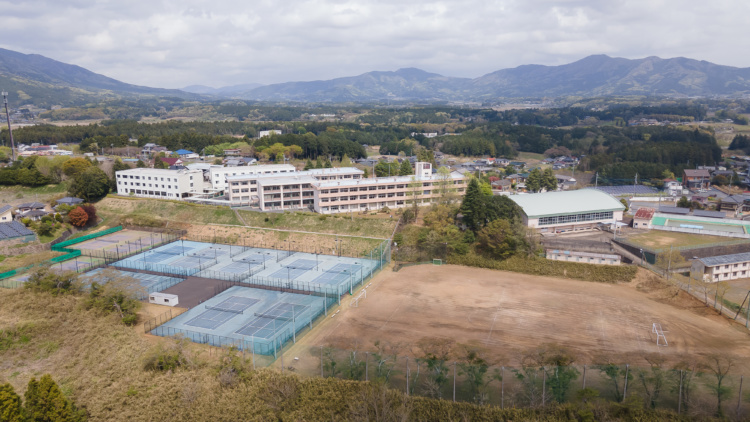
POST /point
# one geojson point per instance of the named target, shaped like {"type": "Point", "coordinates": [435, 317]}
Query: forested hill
{"type": "Point", "coordinates": [593, 76]}
{"type": "Point", "coordinates": [35, 79]}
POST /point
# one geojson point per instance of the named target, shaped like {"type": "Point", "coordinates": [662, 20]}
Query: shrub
{"type": "Point", "coordinates": [78, 217]}
{"type": "Point", "coordinates": [26, 221]}
{"type": "Point", "coordinates": [43, 279]}
{"type": "Point", "coordinates": [168, 356]}
{"type": "Point", "coordinates": [58, 218]}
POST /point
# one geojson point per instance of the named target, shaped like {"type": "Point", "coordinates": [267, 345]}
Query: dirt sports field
{"type": "Point", "coordinates": [509, 313]}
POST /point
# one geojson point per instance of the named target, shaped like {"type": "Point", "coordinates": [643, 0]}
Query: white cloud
{"type": "Point", "coordinates": [173, 43]}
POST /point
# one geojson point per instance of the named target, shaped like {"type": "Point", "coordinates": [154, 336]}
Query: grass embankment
{"type": "Point", "coordinates": [151, 212]}
{"type": "Point", "coordinates": [550, 268]}
{"type": "Point", "coordinates": [370, 226]}
{"type": "Point", "coordinates": [156, 212]}
{"type": "Point", "coordinates": [99, 363]}
{"type": "Point", "coordinates": [23, 260]}
{"type": "Point", "coordinates": [39, 193]}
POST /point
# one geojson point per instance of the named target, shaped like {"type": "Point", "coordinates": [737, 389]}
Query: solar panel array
{"type": "Point", "coordinates": [13, 229]}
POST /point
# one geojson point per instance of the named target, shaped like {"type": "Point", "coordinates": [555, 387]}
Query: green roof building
{"type": "Point", "coordinates": [568, 211]}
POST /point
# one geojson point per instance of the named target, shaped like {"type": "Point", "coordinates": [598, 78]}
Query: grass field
{"type": "Point", "coordinates": [658, 239]}
{"type": "Point", "coordinates": [19, 194]}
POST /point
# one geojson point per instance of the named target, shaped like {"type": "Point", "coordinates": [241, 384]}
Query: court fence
{"type": "Point", "coordinates": [62, 246]}
{"type": "Point", "coordinates": [58, 259]}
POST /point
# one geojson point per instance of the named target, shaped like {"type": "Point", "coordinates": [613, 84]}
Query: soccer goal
{"type": "Point", "coordinates": [437, 262]}
{"type": "Point", "coordinates": [661, 339]}
{"type": "Point", "coordinates": [355, 302]}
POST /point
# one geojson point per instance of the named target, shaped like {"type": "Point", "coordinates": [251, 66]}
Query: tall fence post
{"type": "Point", "coordinates": [739, 396]}
{"type": "Point", "coordinates": [625, 389]}
{"type": "Point", "coordinates": [679, 395]}
{"type": "Point", "coordinates": [584, 377]}
{"type": "Point", "coordinates": [454, 382]}
{"type": "Point", "coordinates": [502, 387]}
{"type": "Point", "coordinates": [544, 385]}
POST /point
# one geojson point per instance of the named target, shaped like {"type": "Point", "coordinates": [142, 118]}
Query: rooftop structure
{"type": "Point", "coordinates": [13, 230]}
{"type": "Point", "coordinates": [722, 267]}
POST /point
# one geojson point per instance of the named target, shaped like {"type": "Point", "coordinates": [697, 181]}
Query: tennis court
{"type": "Point", "coordinates": [244, 316]}
{"type": "Point", "coordinates": [123, 241]}
{"type": "Point", "coordinates": [150, 282]}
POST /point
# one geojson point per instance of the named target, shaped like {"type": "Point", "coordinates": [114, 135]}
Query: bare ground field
{"type": "Point", "coordinates": [509, 313]}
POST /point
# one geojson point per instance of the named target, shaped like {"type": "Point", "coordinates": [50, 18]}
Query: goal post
{"type": "Point", "coordinates": [436, 261]}
{"type": "Point", "coordinates": [661, 339]}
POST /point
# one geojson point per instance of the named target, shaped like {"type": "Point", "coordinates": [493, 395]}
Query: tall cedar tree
{"type": "Point", "coordinates": [405, 169]}
{"type": "Point", "coordinates": [309, 165]}
{"type": "Point", "coordinates": [470, 206]}
{"type": "Point", "coordinates": [78, 217]}
{"type": "Point", "coordinates": [10, 405]}
{"type": "Point", "coordinates": [549, 180]}
{"type": "Point", "coordinates": [45, 402]}
{"type": "Point", "coordinates": [534, 181]}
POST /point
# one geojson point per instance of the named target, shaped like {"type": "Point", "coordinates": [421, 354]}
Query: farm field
{"type": "Point", "coordinates": [508, 313]}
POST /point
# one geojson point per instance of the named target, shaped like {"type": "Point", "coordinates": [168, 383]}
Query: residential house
{"type": "Point", "coordinates": [696, 179]}
{"type": "Point", "coordinates": [185, 154]}
{"type": "Point", "coordinates": [643, 217]}
{"type": "Point", "coordinates": [29, 206]}
{"type": "Point", "coordinates": [6, 213]}
{"type": "Point", "coordinates": [565, 182]}
{"type": "Point", "coordinates": [502, 185]}
{"type": "Point", "coordinates": [171, 161]}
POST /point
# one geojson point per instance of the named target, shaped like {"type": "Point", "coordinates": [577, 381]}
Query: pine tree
{"type": "Point", "coordinates": [328, 164]}
{"type": "Point", "coordinates": [45, 402]}
{"type": "Point", "coordinates": [10, 405]}
{"type": "Point", "coordinates": [470, 205]}
{"type": "Point", "coordinates": [309, 165]}
{"type": "Point", "coordinates": [534, 181]}
{"type": "Point", "coordinates": [318, 163]}
{"type": "Point", "coordinates": [549, 180]}
{"type": "Point", "coordinates": [405, 169]}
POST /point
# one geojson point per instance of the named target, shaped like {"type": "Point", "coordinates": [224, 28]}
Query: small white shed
{"type": "Point", "coordinates": [163, 299]}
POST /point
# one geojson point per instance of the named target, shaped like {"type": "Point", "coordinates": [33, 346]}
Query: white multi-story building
{"type": "Point", "coordinates": [219, 174]}
{"type": "Point", "coordinates": [292, 190]}
{"type": "Point", "coordinates": [161, 183]}
{"type": "Point", "coordinates": [379, 192]}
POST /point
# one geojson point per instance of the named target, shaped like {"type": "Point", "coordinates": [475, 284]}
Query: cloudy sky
{"type": "Point", "coordinates": [175, 43]}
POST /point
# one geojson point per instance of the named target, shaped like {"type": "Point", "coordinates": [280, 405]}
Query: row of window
{"type": "Point", "coordinates": [130, 176]}
{"type": "Point", "coordinates": [575, 218]}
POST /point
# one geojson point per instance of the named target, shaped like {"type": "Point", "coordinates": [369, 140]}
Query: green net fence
{"type": "Point", "coordinates": [62, 246]}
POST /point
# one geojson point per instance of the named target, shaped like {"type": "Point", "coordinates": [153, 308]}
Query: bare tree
{"type": "Point", "coordinates": [719, 366]}
{"type": "Point", "coordinates": [378, 403]}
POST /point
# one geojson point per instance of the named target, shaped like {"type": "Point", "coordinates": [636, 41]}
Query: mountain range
{"type": "Point", "coordinates": [36, 79]}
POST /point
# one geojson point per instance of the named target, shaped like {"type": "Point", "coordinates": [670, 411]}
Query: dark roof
{"type": "Point", "coordinates": [32, 205]}
{"type": "Point", "coordinates": [69, 200]}
{"type": "Point", "coordinates": [170, 160]}
{"type": "Point", "coordinates": [5, 208]}
{"type": "Point", "coordinates": [13, 229]}
{"type": "Point", "coordinates": [709, 214]}
{"type": "Point", "coordinates": [34, 213]}
{"type": "Point", "coordinates": [697, 173]}
{"type": "Point", "coordinates": [712, 261]}
{"type": "Point", "coordinates": [674, 210]}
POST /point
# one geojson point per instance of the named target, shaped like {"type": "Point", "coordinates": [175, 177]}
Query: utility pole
{"type": "Point", "coordinates": [10, 131]}
{"type": "Point", "coordinates": [596, 182]}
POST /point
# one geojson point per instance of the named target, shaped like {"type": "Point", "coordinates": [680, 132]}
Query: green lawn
{"type": "Point", "coordinates": [341, 224]}
{"type": "Point", "coordinates": [40, 193]}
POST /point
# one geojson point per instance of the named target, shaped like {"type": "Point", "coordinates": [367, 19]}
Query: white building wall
{"type": "Point", "coordinates": [160, 183]}
{"type": "Point", "coordinates": [218, 174]}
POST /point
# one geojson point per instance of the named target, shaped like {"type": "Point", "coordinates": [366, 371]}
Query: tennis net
{"type": "Point", "coordinates": [269, 316]}
{"type": "Point", "coordinates": [218, 308]}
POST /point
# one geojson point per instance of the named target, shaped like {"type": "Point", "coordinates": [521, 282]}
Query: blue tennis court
{"type": "Point", "coordinates": [305, 264]}
{"type": "Point", "coordinates": [239, 267]}
{"type": "Point", "coordinates": [289, 273]}
{"type": "Point", "coordinates": [192, 262]}
{"type": "Point", "coordinates": [266, 324]}
{"type": "Point", "coordinates": [256, 257]}
{"type": "Point", "coordinates": [340, 273]}
{"type": "Point", "coordinates": [157, 257]}
{"type": "Point", "coordinates": [177, 250]}
{"type": "Point", "coordinates": [211, 319]}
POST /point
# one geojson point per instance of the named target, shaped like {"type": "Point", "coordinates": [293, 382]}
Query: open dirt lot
{"type": "Point", "coordinates": [508, 313]}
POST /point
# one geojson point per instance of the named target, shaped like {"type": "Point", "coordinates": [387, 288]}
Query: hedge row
{"type": "Point", "coordinates": [545, 267]}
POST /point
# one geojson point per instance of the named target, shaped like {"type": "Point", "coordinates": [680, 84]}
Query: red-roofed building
{"type": "Point", "coordinates": [171, 161]}
{"type": "Point", "coordinates": [642, 218]}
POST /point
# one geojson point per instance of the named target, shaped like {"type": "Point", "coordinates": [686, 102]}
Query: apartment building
{"type": "Point", "coordinates": [393, 192]}
{"type": "Point", "coordinates": [284, 191]}
{"type": "Point", "coordinates": [722, 267]}
{"type": "Point", "coordinates": [161, 183]}
{"type": "Point", "coordinates": [219, 174]}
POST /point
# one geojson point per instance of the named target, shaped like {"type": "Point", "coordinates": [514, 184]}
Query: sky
{"type": "Point", "coordinates": [176, 43]}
